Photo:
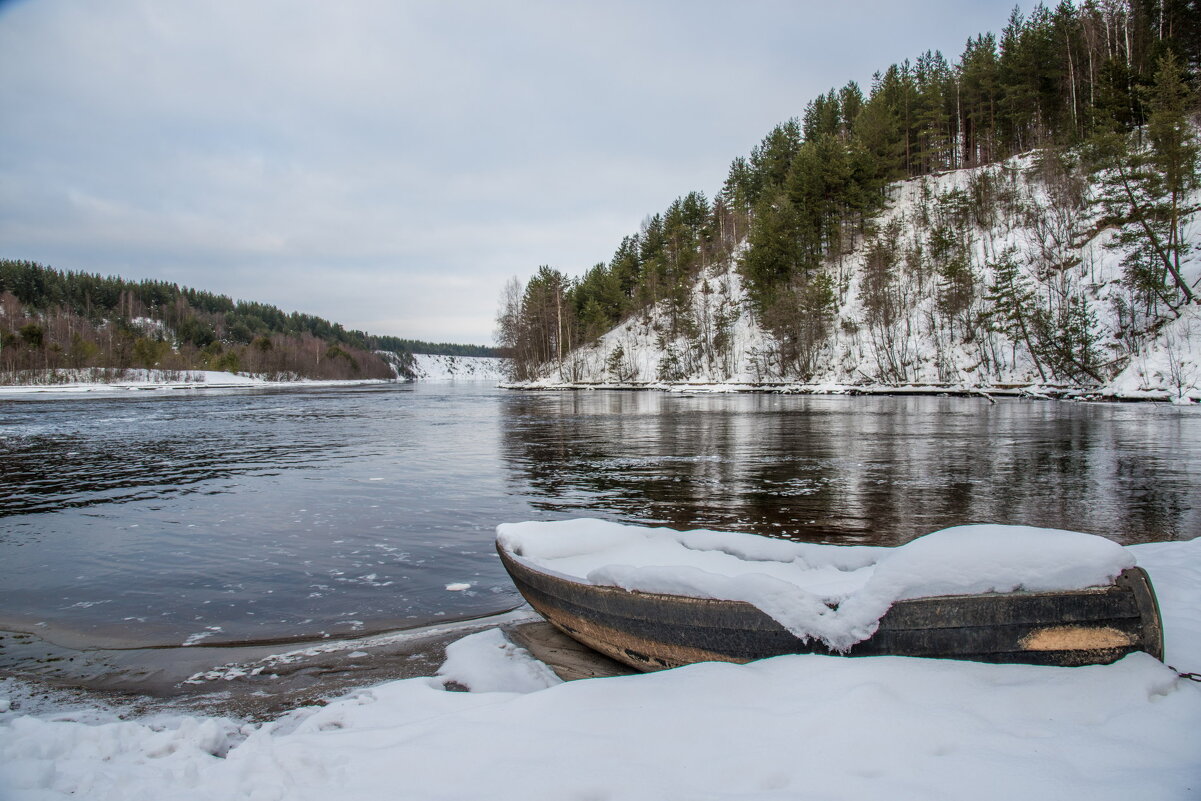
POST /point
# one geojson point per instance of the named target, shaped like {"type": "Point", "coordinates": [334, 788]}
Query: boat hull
{"type": "Point", "coordinates": [653, 631]}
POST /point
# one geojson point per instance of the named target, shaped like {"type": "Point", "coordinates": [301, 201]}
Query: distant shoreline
{"type": "Point", "coordinates": [115, 381]}
{"type": "Point", "coordinates": [158, 381]}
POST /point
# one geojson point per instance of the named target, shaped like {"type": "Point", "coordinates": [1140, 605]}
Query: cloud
{"type": "Point", "coordinates": [354, 159]}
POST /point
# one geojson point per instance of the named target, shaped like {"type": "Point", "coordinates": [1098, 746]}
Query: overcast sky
{"type": "Point", "coordinates": [390, 165]}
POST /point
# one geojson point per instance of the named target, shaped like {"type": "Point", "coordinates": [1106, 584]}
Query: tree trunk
{"type": "Point", "coordinates": [1159, 251]}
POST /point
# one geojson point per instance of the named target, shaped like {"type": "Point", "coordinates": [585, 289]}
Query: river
{"type": "Point", "coordinates": [205, 517]}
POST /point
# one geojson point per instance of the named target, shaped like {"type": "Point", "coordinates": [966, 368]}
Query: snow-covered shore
{"type": "Point", "coordinates": [797, 726]}
{"type": "Point", "coordinates": [157, 380]}
{"type": "Point", "coordinates": [1111, 392]}
{"type": "Point", "coordinates": [426, 368]}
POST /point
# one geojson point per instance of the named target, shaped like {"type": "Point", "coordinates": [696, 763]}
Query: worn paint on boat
{"type": "Point", "coordinates": [652, 631]}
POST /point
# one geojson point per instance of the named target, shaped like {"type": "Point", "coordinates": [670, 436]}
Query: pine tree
{"type": "Point", "coordinates": [1143, 187]}
{"type": "Point", "coordinates": [1013, 304]}
{"type": "Point", "coordinates": [773, 255]}
{"type": "Point", "coordinates": [1173, 155]}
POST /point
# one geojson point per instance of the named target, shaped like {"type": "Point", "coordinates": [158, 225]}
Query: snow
{"type": "Point", "coordinates": [430, 368]}
{"type": "Point", "coordinates": [1175, 570]}
{"type": "Point", "coordinates": [157, 380]}
{"type": "Point", "coordinates": [1169, 367]}
{"type": "Point", "coordinates": [790, 727]}
{"type": "Point", "coordinates": [830, 592]}
{"type": "Point", "coordinates": [487, 662]}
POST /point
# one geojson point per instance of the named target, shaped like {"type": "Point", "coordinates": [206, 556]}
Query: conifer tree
{"type": "Point", "coordinates": [1013, 305]}
{"type": "Point", "coordinates": [1173, 155]}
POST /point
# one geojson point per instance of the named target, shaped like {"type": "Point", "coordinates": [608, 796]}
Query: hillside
{"type": "Point", "coordinates": [896, 322]}
{"type": "Point", "coordinates": [58, 326]}
{"type": "Point", "coordinates": [439, 367]}
{"type": "Point", "coordinates": [1024, 216]}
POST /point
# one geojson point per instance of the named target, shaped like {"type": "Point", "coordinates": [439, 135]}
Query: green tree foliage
{"type": "Point", "coordinates": [774, 252]}
{"type": "Point", "coordinates": [1014, 306]}
{"type": "Point", "coordinates": [1145, 184]}
{"type": "Point", "coordinates": [1173, 155]}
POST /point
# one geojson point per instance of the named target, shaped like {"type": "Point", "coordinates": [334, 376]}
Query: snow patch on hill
{"type": "Point", "coordinates": [427, 367]}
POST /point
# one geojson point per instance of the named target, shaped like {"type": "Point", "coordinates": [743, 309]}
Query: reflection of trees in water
{"type": "Point", "coordinates": [879, 470]}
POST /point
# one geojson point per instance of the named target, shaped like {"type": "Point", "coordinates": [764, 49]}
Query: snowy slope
{"type": "Point", "coordinates": [457, 368]}
{"type": "Point", "coordinates": [916, 348]}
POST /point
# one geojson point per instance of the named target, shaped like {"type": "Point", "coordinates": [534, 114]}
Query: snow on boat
{"type": "Point", "coordinates": [656, 598]}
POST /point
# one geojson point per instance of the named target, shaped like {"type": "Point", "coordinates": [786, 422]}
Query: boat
{"type": "Point", "coordinates": [653, 631]}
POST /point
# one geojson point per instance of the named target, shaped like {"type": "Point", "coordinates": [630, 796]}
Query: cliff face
{"type": "Point", "coordinates": [1010, 274]}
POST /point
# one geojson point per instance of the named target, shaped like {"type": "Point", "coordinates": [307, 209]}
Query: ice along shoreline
{"type": "Point", "coordinates": [1063, 392]}
{"type": "Point", "coordinates": [168, 381]}
{"type": "Point", "coordinates": [426, 368]}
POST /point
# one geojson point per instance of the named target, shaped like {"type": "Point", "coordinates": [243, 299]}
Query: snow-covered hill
{"type": "Point", "coordinates": [892, 327]}
{"type": "Point", "coordinates": [427, 367]}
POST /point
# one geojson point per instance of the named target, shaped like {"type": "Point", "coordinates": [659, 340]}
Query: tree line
{"type": "Point", "coordinates": [400, 345]}
{"type": "Point", "coordinates": [52, 319]}
{"type": "Point", "coordinates": [1108, 86]}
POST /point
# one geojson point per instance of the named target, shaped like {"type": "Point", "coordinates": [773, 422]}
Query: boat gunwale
{"type": "Point", "coordinates": [651, 594]}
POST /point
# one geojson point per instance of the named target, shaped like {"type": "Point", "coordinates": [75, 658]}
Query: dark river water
{"type": "Point", "coordinates": [162, 519]}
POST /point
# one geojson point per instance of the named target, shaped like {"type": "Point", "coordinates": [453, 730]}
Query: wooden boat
{"type": "Point", "coordinates": [653, 631]}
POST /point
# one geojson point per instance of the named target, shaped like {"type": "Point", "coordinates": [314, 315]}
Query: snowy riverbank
{"type": "Point", "coordinates": [797, 726]}
{"type": "Point", "coordinates": [1020, 391]}
{"type": "Point", "coordinates": [78, 382]}
{"type": "Point", "coordinates": [426, 368]}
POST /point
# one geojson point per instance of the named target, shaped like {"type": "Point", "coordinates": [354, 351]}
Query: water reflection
{"type": "Point", "coordinates": [865, 470]}
{"type": "Point", "coordinates": [211, 518]}
{"type": "Point", "coordinates": [228, 518]}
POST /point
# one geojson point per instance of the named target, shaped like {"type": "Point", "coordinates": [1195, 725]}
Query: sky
{"type": "Point", "coordinates": [391, 165]}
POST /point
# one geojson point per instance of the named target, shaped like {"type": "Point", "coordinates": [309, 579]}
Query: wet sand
{"type": "Point", "coordinates": [248, 681]}
{"type": "Point", "coordinates": [260, 682]}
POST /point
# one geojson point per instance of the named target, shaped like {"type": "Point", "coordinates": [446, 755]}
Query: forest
{"type": "Point", "coordinates": [1104, 95]}
{"type": "Point", "coordinates": [52, 320]}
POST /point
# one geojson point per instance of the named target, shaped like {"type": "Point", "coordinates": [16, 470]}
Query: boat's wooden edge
{"type": "Point", "coordinates": [1136, 579]}
{"type": "Point", "coordinates": [1139, 583]}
